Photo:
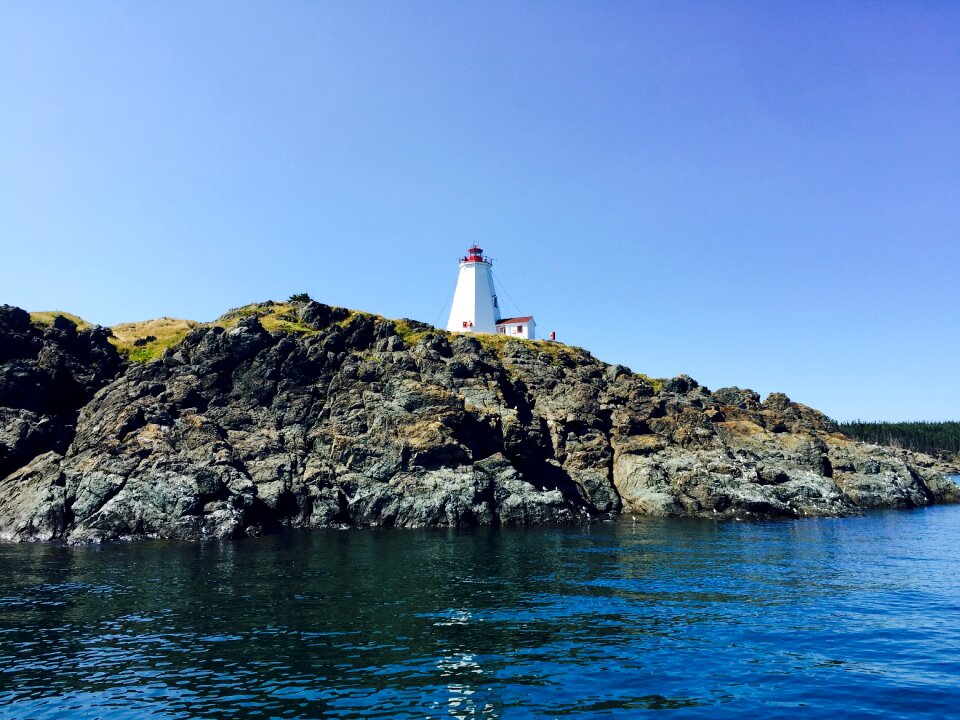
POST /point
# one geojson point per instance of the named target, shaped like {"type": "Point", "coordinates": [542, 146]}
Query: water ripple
{"type": "Point", "coordinates": [851, 617]}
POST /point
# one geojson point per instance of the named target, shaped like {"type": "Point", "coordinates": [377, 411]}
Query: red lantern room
{"type": "Point", "coordinates": [475, 254]}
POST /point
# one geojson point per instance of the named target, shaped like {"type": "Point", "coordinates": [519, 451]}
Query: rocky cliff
{"type": "Point", "coordinates": [343, 418]}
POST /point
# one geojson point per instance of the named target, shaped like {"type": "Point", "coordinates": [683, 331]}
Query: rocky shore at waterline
{"type": "Point", "coordinates": [296, 416]}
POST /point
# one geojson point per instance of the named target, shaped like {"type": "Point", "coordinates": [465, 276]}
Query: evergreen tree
{"type": "Point", "coordinates": [933, 438]}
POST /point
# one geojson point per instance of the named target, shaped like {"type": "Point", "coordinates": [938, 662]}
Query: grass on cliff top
{"type": "Point", "coordinates": [551, 348]}
{"type": "Point", "coordinates": [353, 315]}
{"type": "Point", "coordinates": [273, 316]}
{"type": "Point", "coordinates": [657, 383]}
{"type": "Point", "coordinates": [557, 353]}
{"type": "Point", "coordinates": [44, 318]}
{"type": "Point", "coordinates": [156, 336]}
{"type": "Point", "coordinates": [149, 339]}
{"type": "Point", "coordinates": [410, 336]}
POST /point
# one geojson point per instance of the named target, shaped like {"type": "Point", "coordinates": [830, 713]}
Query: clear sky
{"type": "Point", "coordinates": [756, 194]}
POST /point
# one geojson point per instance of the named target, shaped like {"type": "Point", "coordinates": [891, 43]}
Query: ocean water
{"type": "Point", "coordinates": [851, 618]}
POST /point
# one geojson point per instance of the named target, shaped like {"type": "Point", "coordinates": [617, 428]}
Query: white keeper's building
{"type": "Point", "coordinates": [475, 307]}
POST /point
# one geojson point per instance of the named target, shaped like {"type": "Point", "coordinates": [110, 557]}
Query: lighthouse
{"type": "Point", "coordinates": [475, 307]}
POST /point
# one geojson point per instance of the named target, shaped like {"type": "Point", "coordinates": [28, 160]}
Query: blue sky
{"type": "Point", "coordinates": [756, 194]}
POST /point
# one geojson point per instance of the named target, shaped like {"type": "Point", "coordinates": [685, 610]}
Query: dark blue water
{"type": "Point", "coordinates": [857, 617]}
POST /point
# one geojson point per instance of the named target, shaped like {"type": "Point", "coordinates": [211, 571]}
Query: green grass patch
{"type": "Point", "coordinates": [272, 324]}
{"type": "Point", "coordinates": [409, 335]}
{"type": "Point", "coordinates": [151, 350]}
{"type": "Point", "coordinates": [273, 316]}
{"type": "Point", "coordinates": [149, 339]}
{"type": "Point", "coordinates": [657, 383]}
{"type": "Point", "coordinates": [551, 349]}
{"type": "Point", "coordinates": [261, 310]}
{"type": "Point", "coordinates": [497, 342]}
{"type": "Point", "coordinates": [44, 318]}
{"type": "Point", "coordinates": [354, 315]}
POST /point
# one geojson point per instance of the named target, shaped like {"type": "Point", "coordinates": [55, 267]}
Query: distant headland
{"type": "Point", "coordinates": [298, 414]}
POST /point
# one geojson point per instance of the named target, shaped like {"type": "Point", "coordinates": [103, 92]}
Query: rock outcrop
{"type": "Point", "coordinates": [364, 421]}
{"type": "Point", "coordinates": [46, 376]}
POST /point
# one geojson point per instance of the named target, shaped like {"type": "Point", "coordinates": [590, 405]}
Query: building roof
{"type": "Point", "coordinates": [510, 321]}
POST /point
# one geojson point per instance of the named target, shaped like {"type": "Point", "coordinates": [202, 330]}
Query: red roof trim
{"type": "Point", "coordinates": [510, 321]}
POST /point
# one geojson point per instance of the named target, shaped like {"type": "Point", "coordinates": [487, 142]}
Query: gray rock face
{"type": "Point", "coordinates": [364, 421]}
{"type": "Point", "coordinates": [46, 376]}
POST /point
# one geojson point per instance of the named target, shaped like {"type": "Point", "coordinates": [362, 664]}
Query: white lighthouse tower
{"type": "Point", "coordinates": [475, 307]}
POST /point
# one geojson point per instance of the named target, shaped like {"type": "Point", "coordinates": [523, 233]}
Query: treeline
{"type": "Point", "coordinates": [933, 438]}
